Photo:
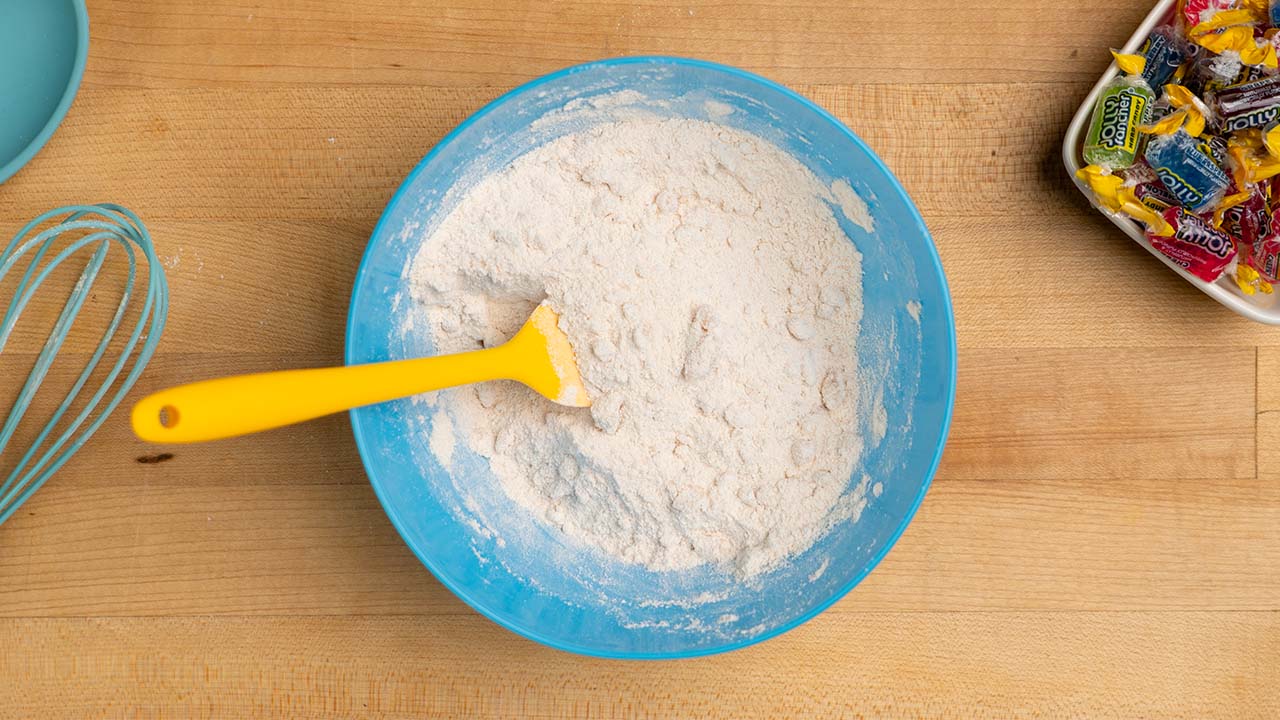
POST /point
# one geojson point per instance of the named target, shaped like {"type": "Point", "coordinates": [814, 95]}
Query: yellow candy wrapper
{"type": "Point", "coordinates": [1260, 10]}
{"type": "Point", "coordinates": [1130, 64]}
{"type": "Point", "coordinates": [1250, 166]}
{"type": "Point", "coordinates": [1189, 113]}
{"type": "Point", "coordinates": [1250, 139]}
{"type": "Point", "coordinates": [1243, 148]}
{"type": "Point", "coordinates": [1114, 195]}
{"type": "Point", "coordinates": [1271, 139]}
{"type": "Point", "coordinates": [1250, 282]}
{"type": "Point", "coordinates": [1228, 202]}
{"type": "Point", "coordinates": [1232, 30]}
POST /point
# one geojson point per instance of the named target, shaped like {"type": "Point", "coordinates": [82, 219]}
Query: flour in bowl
{"type": "Point", "coordinates": [713, 302]}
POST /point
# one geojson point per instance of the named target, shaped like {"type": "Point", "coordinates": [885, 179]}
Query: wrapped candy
{"type": "Point", "coordinates": [1234, 30]}
{"type": "Point", "coordinates": [1195, 245]}
{"type": "Point", "coordinates": [1114, 138]}
{"type": "Point", "coordinates": [1186, 112]}
{"type": "Point", "coordinates": [1244, 216]}
{"type": "Point", "coordinates": [1251, 162]}
{"type": "Point", "coordinates": [1211, 72]}
{"type": "Point", "coordinates": [1188, 173]}
{"type": "Point", "coordinates": [1250, 105]}
{"type": "Point", "coordinates": [1265, 252]}
{"type": "Point", "coordinates": [1266, 257]}
{"type": "Point", "coordinates": [1147, 188]}
{"type": "Point", "coordinates": [1117, 195]}
{"type": "Point", "coordinates": [1164, 53]}
{"type": "Point", "coordinates": [1247, 218]}
{"type": "Point", "coordinates": [1255, 269]}
{"type": "Point", "coordinates": [1250, 281]}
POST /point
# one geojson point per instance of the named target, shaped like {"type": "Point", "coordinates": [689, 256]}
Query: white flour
{"type": "Point", "coordinates": [713, 302]}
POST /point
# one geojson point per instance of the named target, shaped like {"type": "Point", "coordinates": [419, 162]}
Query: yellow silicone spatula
{"type": "Point", "coordinates": [539, 356]}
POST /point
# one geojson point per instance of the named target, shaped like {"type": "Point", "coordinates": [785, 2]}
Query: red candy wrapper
{"type": "Point", "coordinates": [1265, 255]}
{"type": "Point", "coordinates": [1264, 251]}
{"type": "Point", "coordinates": [1194, 11]}
{"type": "Point", "coordinates": [1248, 221]}
{"type": "Point", "coordinates": [1197, 246]}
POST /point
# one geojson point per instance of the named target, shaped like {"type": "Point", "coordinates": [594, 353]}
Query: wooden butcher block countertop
{"type": "Point", "coordinates": [1102, 539]}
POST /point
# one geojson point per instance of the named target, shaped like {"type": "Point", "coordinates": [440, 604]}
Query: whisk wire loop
{"type": "Point", "coordinates": [100, 228]}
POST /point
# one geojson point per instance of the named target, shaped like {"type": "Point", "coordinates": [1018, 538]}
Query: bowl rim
{"type": "Point", "coordinates": [365, 448]}
{"type": "Point", "coordinates": [37, 143]}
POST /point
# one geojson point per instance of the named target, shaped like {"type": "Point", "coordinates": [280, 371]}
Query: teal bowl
{"type": "Point", "coordinates": [509, 567]}
{"type": "Point", "coordinates": [43, 47]}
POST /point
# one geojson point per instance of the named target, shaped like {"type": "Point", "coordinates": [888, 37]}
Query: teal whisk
{"type": "Point", "coordinates": [99, 232]}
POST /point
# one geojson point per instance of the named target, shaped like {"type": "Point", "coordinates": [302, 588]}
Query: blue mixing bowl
{"type": "Point", "coordinates": [494, 555]}
{"type": "Point", "coordinates": [43, 48]}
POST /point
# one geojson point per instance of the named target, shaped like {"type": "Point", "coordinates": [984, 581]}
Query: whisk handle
{"type": "Point", "coordinates": [233, 406]}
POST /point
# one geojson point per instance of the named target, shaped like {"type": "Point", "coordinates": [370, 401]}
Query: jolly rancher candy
{"type": "Point", "coordinates": [1165, 53]}
{"type": "Point", "coordinates": [1253, 156]}
{"type": "Point", "coordinates": [1265, 257]}
{"type": "Point", "coordinates": [1147, 187]}
{"type": "Point", "coordinates": [1188, 173]}
{"type": "Point", "coordinates": [1212, 72]}
{"type": "Point", "coordinates": [1114, 139]}
{"type": "Point", "coordinates": [1253, 104]}
{"type": "Point", "coordinates": [1180, 109]}
{"type": "Point", "coordinates": [1197, 246]}
{"type": "Point", "coordinates": [1246, 217]}
{"type": "Point", "coordinates": [1259, 261]}
{"type": "Point", "coordinates": [1114, 194]}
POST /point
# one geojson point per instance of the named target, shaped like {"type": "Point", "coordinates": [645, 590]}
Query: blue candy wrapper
{"type": "Point", "coordinates": [1186, 171]}
{"type": "Point", "coordinates": [1164, 52]}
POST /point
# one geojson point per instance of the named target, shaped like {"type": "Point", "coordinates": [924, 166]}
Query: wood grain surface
{"type": "Point", "coordinates": [1102, 540]}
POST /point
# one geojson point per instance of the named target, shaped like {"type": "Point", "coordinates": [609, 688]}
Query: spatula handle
{"type": "Point", "coordinates": [233, 406]}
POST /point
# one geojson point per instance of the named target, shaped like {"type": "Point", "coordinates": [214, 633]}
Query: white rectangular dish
{"type": "Point", "coordinates": [1261, 308]}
